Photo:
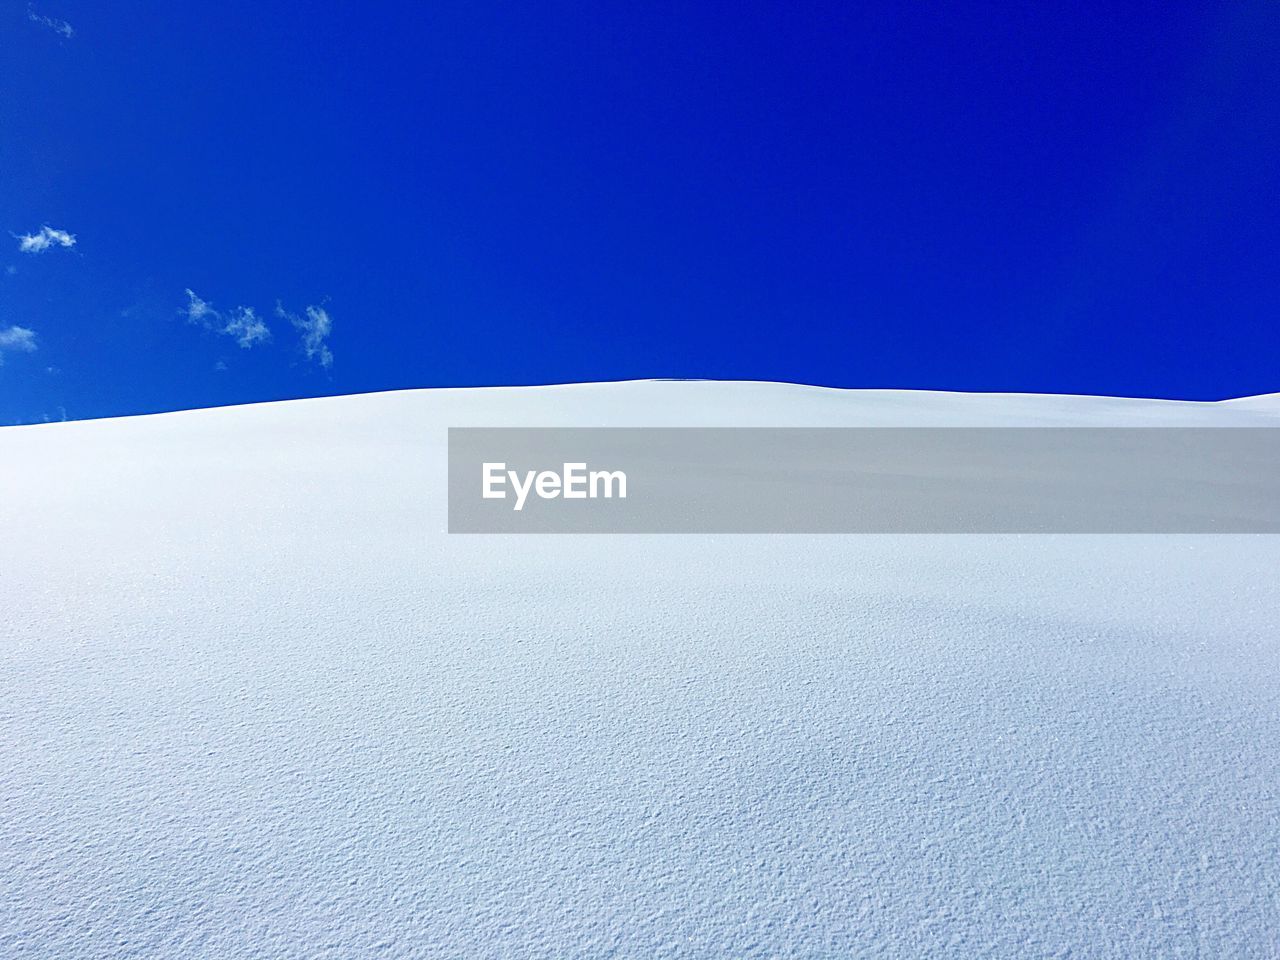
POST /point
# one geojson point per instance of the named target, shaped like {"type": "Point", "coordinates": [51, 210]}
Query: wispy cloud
{"type": "Point", "coordinates": [20, 339]}
{"type": "Point", "coordinates": [43, 239]}
{"type": "Point", "coordinates": [242, 323]}
{"type": "Point", "coordinates": [314, 325]}
{"type": "Point", "coordinates": [60, 27]}
{"type": "Point", "coordinates": [314, 328]}
{"type": "Point", "coordinates": [198, 311]}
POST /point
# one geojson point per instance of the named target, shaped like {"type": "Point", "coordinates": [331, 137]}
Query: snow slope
{"type": "Point", "coordinates": [255, 703]}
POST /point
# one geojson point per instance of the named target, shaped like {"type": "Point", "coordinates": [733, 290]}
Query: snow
{"type": "Point", "coordinates": [255, 702]}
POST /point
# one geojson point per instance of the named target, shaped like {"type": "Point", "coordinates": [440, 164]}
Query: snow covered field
{"type": "Point", "coordinates": [255, 703]}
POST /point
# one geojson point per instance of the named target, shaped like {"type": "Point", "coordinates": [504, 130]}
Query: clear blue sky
{"type": "Point", "coordinates": [1077, 198]}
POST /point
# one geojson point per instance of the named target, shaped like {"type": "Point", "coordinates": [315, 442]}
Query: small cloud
{"type": "Point", "coordinates": [241, 323]}
{"type": "Point", "coordinates": [245, 326]}
{"type": "Point", "coordinates": [60, 27]}
{"type": "Point", "coordinates": [18, 338]}
{"type": "Point", "coordinates": [220, 366]}
{"type": "Point", "coordinates": [21, 339]}
{"type": "Point", "coordinates": [44, 239]}
{"type": "Point", "coordinates": [314, 328]}
{"type": "Point", "coordinates": [10, 269]}
{"type": "Point", "coordinates": [197, 309]}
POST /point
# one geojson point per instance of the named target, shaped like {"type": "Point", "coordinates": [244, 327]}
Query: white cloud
{"type": "Point", "coordinates": [18, 338]}
{"type": "Point", "coordinates": [314, 328]}
{"type": "Point", "coordinates": [60, 27]}
{"type": "Point", "coordinates": [241, 323]}
{"type": "Point", "coordinates": [314, 325]}
{"type": "Point", "coordinates": [245, 326]}
{"type": "Point", "coordinates": [44, 239]}
{"type": "Point", "coordinates": [22, 339]}
{"type": "Point", "coordinates": [198, 310]}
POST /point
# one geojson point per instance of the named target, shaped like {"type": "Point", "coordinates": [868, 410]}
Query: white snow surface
{"type": "Point", "coordinates": [254, 702]}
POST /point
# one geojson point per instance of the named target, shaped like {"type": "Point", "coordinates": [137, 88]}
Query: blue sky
{"type": "Point", "coordinates": [1052, 198]}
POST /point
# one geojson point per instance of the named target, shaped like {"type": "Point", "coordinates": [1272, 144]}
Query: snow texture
{"type": "Point", "coordinates": [255, 703]}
